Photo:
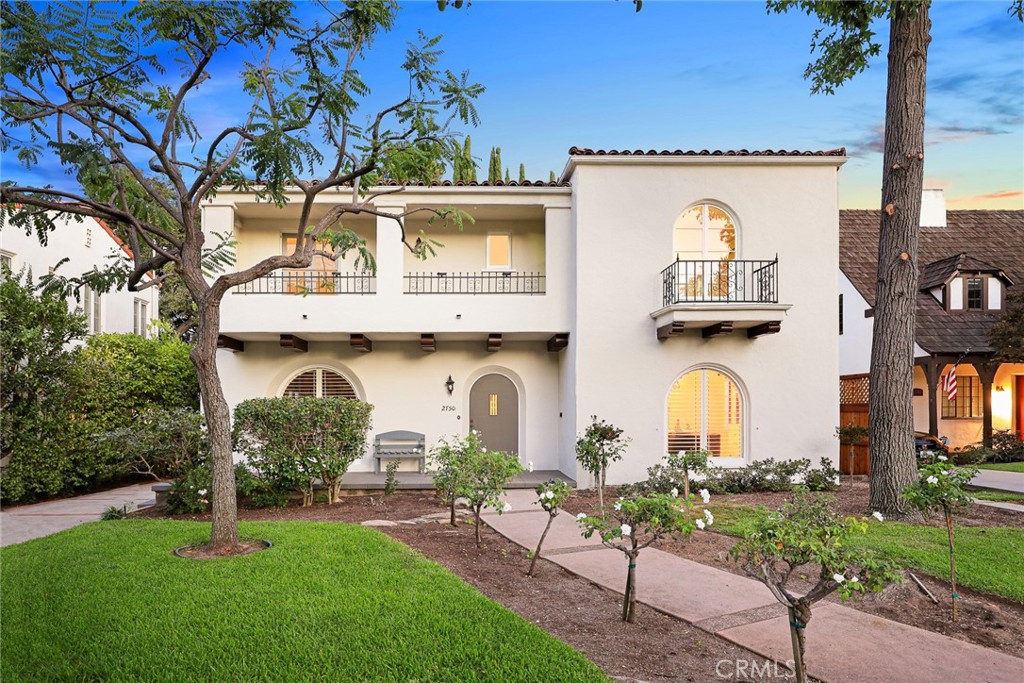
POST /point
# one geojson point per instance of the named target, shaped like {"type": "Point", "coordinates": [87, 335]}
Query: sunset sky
{"type": "Point", "coordinates": [697, 75]}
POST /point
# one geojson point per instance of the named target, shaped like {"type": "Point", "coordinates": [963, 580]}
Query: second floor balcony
{"type": "Point", "coordinates": [719, 296]}
{"type": "Point", "coordinates": [488, 282]}
{"type": "Point", "coordinates": [305, 282]}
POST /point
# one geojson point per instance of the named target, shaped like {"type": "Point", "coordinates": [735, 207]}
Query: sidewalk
{"type": "Point", "coordinates": [999, 480]}
{"type": "Point", "coordinates": [843, 644]}
{"type": "Point", "coordinates": [25, 522]}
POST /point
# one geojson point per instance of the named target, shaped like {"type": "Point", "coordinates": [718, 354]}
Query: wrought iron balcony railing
{"type": "Point", "coordinates": [310, 282]}
{"type": "Point", "coordinates": [502, 282]}
{"type": "Point", "coordinates": [721, 281]}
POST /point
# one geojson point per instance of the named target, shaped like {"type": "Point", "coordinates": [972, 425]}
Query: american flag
{"type": "Point", "coordinates": [950, 384]}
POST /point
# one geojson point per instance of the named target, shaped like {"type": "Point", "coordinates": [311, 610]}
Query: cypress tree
{"type": "Point", "coordinates": [552, 177]}
{"type": "Point", "coordinates": [494, 167]}
{"type": "Point", "coordinates": [522, 173]}
{"type": "Point", "coordinates": [469, 166]}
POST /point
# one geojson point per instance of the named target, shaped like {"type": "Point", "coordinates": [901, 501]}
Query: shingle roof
{"type": "Point", "coordinates": [978, 241]}
{"type": "Point", "coordinates": [938, 272]}
{"type": "Point", "coordinates": [586, 151]}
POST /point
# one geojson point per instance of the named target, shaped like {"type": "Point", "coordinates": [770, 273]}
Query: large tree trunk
{"type": "Point", "coordinates": [224, 536]}
{"type": "Point", "coordinates": [892, 348]}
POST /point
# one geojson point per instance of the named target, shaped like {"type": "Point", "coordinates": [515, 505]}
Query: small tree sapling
{"type": "Point", "coordinates": [446, 460]}
{"type": "Point", "coordinates": [634, 523]}
{"type": "Point", "coordinates": [940, 487]}
{"type": "Point", "coordinates": [483, 475]}
{"type": "Point", "coordinates": [601, 445]}
{"type": "Point", "coordinates": [550, 496]}
{"type": "Point", "coordinates": [808, 531]}
{"type": "Point", "coordinates": [851, 434]}
{"type": "Point", "coordinates": [688, 462]}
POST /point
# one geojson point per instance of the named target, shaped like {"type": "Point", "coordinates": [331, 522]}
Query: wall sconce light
{"type": "Point", "coordinates": [450, 385]}
{"type": "Point", "coordinates": [1000, 387]}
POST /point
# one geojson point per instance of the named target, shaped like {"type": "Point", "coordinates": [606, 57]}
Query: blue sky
{"type": "Point", "coordinates": [699, 75]}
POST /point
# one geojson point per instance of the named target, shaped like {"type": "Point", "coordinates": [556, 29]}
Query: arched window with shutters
{"type": "Point", "coordinates": [321, 383]}
{"type": "Point", "coordinates": [706, 411]}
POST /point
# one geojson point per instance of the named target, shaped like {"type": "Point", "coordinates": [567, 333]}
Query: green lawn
{"type": "Point", "coordinates": [998, 496]}
{"type": "Point", "coordinates": [1004, 466]}
{"type": "Point", "coordinates": [987, 558]}
{"type": "Point", "coordinates": [109, 602]}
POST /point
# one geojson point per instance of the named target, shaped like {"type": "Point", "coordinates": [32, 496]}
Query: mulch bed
{"type": "Point", "coordinates": [656, 647]}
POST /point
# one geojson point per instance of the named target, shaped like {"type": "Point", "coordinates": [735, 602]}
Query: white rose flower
{"type": "Point", "coordinates": [932, 480]}
{"type": "Point", "coordinates": [769, 477]}
{"type": "Point", "coordinates": [507, 507]}
{"type": "Point", "coordinates": [550, 495]}
{"type": "Point", "coordinates": [945, 473]}
{"type": "Point", "coordinates": [710, 517]}
{"type": "Point", "coordinates": [626, 529]}
{"type": "Point", "coordinates": [943, 458]}
{"type": "Point", "coordinates": [705, 496]}
{"type": "Point", "coordinates": [697, 476]}
{"type": "Point", "coordinates": [529, 466]}
{"type": "Point", "coordinates": [618, 506]}
{"type": "Point", "coordinates": [699, 523]}
{"type": "Point", "coordinates": [854, 579]}
{"type": "Point", "coordinates": [581, 516]}
{"type": "Point", "coordinates": [674, 493]}
{"type": "Point", "coordinates": [797, 478]}
{"type": "Point", "coordinates": [878, 515]}
{"type": "Point", "coordinates": [838, 578]}
{"type": "Point", "coordinates": [201, 492]}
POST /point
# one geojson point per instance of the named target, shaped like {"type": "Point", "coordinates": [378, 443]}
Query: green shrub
{"type": "Point", "coordinates": [292, 442]}
{"type": "Point", "coordinates": [160, 443]}
{"type": "Point", "coordinates": [973, 455]}
{"type": "Point", "coordinates": [257, 492]}
{"type": "Point", "coordinates": [191, 492]}
{"type": "Point", "coordinates": [483, 475]}
{"type": "Point", "coordinates": [1007, 447]}
{"type": "Point", "coordinates": [825, 478]}
{"type": "Point", "coordinates": [762, 475]}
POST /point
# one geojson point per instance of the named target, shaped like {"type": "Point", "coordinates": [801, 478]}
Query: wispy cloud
{"type": "Point", "coordinates": [989, 196]}
{"type": "Point", "coordinates": [872, 141]}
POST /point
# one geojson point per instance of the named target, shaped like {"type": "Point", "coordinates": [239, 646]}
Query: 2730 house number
{"type": "Point", "coordinates": [447, 409]}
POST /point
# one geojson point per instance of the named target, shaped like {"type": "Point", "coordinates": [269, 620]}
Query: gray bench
{"type": "Point", "coordinates": [400, 445]}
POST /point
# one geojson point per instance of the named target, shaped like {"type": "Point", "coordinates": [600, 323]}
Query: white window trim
{"type": "Point", "coordinates": [487, 263]}
{"type": "Point", "coordinates": [141, 317]}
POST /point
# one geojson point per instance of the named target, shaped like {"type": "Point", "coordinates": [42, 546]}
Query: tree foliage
{"type": "Point", "coordinates": [296, 442]}
{"type": "Point", "coordinates": [111, 90]}
{"type": "Point", "coordinates": [483, 475]}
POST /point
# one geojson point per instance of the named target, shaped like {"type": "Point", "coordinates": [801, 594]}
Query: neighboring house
{"type": "Point", "coordinates": [686, 297]}
{"type": "Point", "coordinates": [969, 262]}
{"type": "Point", "coordinates": [86, 244]}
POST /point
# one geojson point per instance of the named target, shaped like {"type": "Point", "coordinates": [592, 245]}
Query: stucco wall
{"type": "Point", "coordinates": [69, 240]}
{"type": "Point", "coordinates": [855, 341]}
{"type": "Point", "coordinates": [625, 215]}
{"type": "Point", "coordinates": [406, 386]}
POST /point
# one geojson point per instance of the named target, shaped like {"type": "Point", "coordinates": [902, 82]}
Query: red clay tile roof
{"type": "Point", "coordinates": [994, 239]}
{"type": "Point", "coordinates": [481, 183]}
{"type": "Point", "coordinates": [585, 151]}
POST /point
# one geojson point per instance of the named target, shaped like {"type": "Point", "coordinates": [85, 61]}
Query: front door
{"type": "Point", "coordinates": [494, 412]}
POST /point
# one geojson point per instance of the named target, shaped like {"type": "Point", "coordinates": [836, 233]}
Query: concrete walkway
{"type": "Point", "coordinates": [25, 522]}
{"type": "Point", "coordinates": [843, 644]}
{"type": "Point", "coordinates": [999, 480]}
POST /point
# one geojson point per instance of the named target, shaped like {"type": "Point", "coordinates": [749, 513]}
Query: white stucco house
{"type": "Point", "coordinates": [969, 262]}
{"type": "Point", "coordinates": [86, 244]}
{"type": "Point", "coordinates": [689, 298]}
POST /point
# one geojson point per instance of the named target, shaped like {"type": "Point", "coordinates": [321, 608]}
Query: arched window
{"type": "Point", "coordinates": [321, 383]}
{"type": "Point", "coordinates": [705, 232]}
{"type": "Point", "coordinates": [705, 411]}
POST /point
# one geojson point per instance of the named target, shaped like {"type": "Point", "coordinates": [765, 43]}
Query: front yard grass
{"type": "Point", "coordinates": [1003, 466]}
{"type": "Point", "coordinates": [997, 496]}
{"type": "Point", "coordinates": [987, 558]}
{"type": "Point", "coordinates": [329, 602]}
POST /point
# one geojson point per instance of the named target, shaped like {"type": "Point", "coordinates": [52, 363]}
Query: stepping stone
{"type": "Point", "coordinates": [379, 522]}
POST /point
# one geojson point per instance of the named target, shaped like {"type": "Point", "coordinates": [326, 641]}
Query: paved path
{"type": "Point", "coordinates": [844, 645]}
{"type": "Point", "coordinates": [24, 522]}
{"type": "Point", "coordinates": [1000, 480]}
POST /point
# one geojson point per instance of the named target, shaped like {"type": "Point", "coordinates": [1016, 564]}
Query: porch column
{"type": "Point", "coordinates": [986, 375]}
{"type": "Point", "coordinates": [932, 368]}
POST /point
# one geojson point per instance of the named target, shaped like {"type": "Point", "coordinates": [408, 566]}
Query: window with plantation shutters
{"type": "Point", "coordinates": [705, 411]}
{"type": "Point", "coordinates": [320, 382]}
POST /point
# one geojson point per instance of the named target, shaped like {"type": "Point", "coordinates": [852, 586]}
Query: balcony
{"type": "Point", "coordinates": [718, 296]}
{"type": "Point", "coordinates": [501, 282]}
{"type": "Point", "coordinates": [306, 282]}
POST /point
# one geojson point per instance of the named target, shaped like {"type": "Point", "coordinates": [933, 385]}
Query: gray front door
{"type": "Point", "coordinates": [494, 412]}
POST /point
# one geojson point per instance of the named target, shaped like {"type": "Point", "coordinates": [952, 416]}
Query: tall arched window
{"type": "Point", "coordinates": [321, 383]}
{"type": "Point", "coordinates": [705, 411]}
{"type": "Point", "coordinates": [705, 232]}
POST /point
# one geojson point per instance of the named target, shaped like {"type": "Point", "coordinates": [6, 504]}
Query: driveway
{"type": "Point", "coordinates": [24, 522]}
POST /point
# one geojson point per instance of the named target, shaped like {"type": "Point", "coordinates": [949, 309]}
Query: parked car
{"type": "Point", "coordinates": [926, 442]}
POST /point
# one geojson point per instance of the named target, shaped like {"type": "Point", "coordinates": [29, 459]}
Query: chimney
{"type": "Point", "coordinates": [933, 209]}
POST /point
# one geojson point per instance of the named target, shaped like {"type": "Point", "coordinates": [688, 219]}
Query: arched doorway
{"type": "Point", "coordinates": [494, 412]}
